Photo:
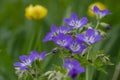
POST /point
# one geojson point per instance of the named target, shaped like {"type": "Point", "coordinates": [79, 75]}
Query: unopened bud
{"type": "Point", "coordinates": [54, 50]}
{"type": "Point", "coordinates": [107, 26]}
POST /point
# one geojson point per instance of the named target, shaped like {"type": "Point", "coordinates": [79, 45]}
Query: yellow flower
{"type": "Point", "coordinates": [29, 12]}
{"type": "Point", "coordinates": [35, 12]}
{"type": "Point", "coordinates": [98, 4]}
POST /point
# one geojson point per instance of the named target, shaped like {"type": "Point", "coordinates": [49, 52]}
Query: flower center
{"type": "Point", "coordinates": [26, 63]}
{"type": "Point", "coordinates": [75, 23]}
{"type": "Point", "coordinates": [75, 47]}
{"type": "Point", "coordinates": [62, 42]}
{"type": "Point", "coordinates": [89, 39]}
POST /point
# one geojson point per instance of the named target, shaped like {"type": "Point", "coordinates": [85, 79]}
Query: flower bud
{"type": "Point", "coordinates": [107, 26]}
{"type": "Point", "coordinates": [54, 50]}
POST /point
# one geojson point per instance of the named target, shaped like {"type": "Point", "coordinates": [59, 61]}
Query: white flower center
{"type": "Point", "coordinates": [74, 46]}
{"type": "Point", "coordinates": [70, 66]}
{"type": "Point", "coordinates": [62, 42]}
{"type": "Point", "coordinates": [75, 23]}
{"type": "Point", "coordinates": [26, 63]}
{"type": "Point", "coordinates": [89, 39]}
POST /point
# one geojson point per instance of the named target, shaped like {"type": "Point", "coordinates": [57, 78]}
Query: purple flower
{"type": "Point", "coordinates": [90, 37]}
{"type": "Point", "coordinates": [74, 22]}
{"type": "Point", "coordinates": [25, 62]}
{"type": "Point", "coordinates": [62, 40]}
{"type": "Point", "coordinates": [74, 68]}
{"type": "Point", "coordinates": [76, 46]}
{"type": "Point", "coordinates": [55, 31]}
{"type": "Point", "coordinates": [100, 13]}
{"type": "Point", "coordinates": [38, 56]}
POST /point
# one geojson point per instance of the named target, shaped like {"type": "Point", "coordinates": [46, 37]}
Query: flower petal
{"type": "Point", "coordinates": [82, 70]}
{"type": "Point", "coordinates": [53, 28]}
{"type": "Point", "coordinates": [17, 64]}
{"type": "Point", "coordinates": [104, 13]}
{"type": "Point", "coordinates": [81, 37]}
{"type": "Point", "coordinates": [63, 29]}
{"type": "Point", "coordinates": [42, 55]}
{"type": "Point", "coordinates": [66, 20]}
{"type": "Point", "coordinates": [23, 58]}
{"type": "Point", "coordinates": [90, 32]}
{"type": "Point", "coordinates": [48, 37]}
{"type": "Point", "coordinates": [96, 10]}
{"type": "Point", "coordinates": [83, 21]}
{"type": "Point", "coordinates": [74, 16]}
{"type": "Point", "coordinates": [73, 73]}
{"type": "Point", "coordinates": [97, 38]}
{"type": "Point", "coordinates": [82, 48]}
{"type": "Point", "coordinates": [33, 55]}
{"type": "Point", "coordinates": [23, 68]}
{"type": "Point", "coordinates": [67, 61]}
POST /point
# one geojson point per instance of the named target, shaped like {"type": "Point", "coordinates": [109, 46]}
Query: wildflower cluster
{"type": "Point", "coordinates": [27, 62]}
{"type": "Point", "coordinates": [74, 41]}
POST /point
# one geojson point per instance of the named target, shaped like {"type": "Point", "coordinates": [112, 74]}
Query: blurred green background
{"type": "Point", "coordinates": [19, 35]}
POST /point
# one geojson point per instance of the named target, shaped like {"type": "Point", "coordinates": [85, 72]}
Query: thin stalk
{"type": "Point", "coordinates": [87, 68]}
{"type": "Point", "coordinates": [29, 72]}
{"type": "Point", "coordinates": [48, 53]}
{"type": "Point", "coordinates": [98, 22]}
{"type": "Point", "coordinates": [31, 40]}
{"type": "Point", "coordinates": [38, 42]}
{"type": "Point", "coordinates": [36, 74]}
{"type": "Point", "coordinates": [36, 71]}
{"type": "Point", "coordinates": [117, 72]}
{"type": "Point", "coordinates": [61, 51]}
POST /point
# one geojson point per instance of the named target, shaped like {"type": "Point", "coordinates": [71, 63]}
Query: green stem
{"type": "Point", "coordinates": [29, 72]}
{"type": "Point", "coordinates": [36, 69]}
{"type": "Point", "coordinates": [98, 22]}
{"type": "Point", "coordinates": [31, 40]}
{"type": "Point", "coordinates": [49, 53]}
{"type": "Point", "coordinates": [38, 37]}
{"type": "Point", "coordinates": [87, 68]}
{"type": "Point", "coordinates": [117, 72]}
{"type": "Point", "coordinates": [62, 54]}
